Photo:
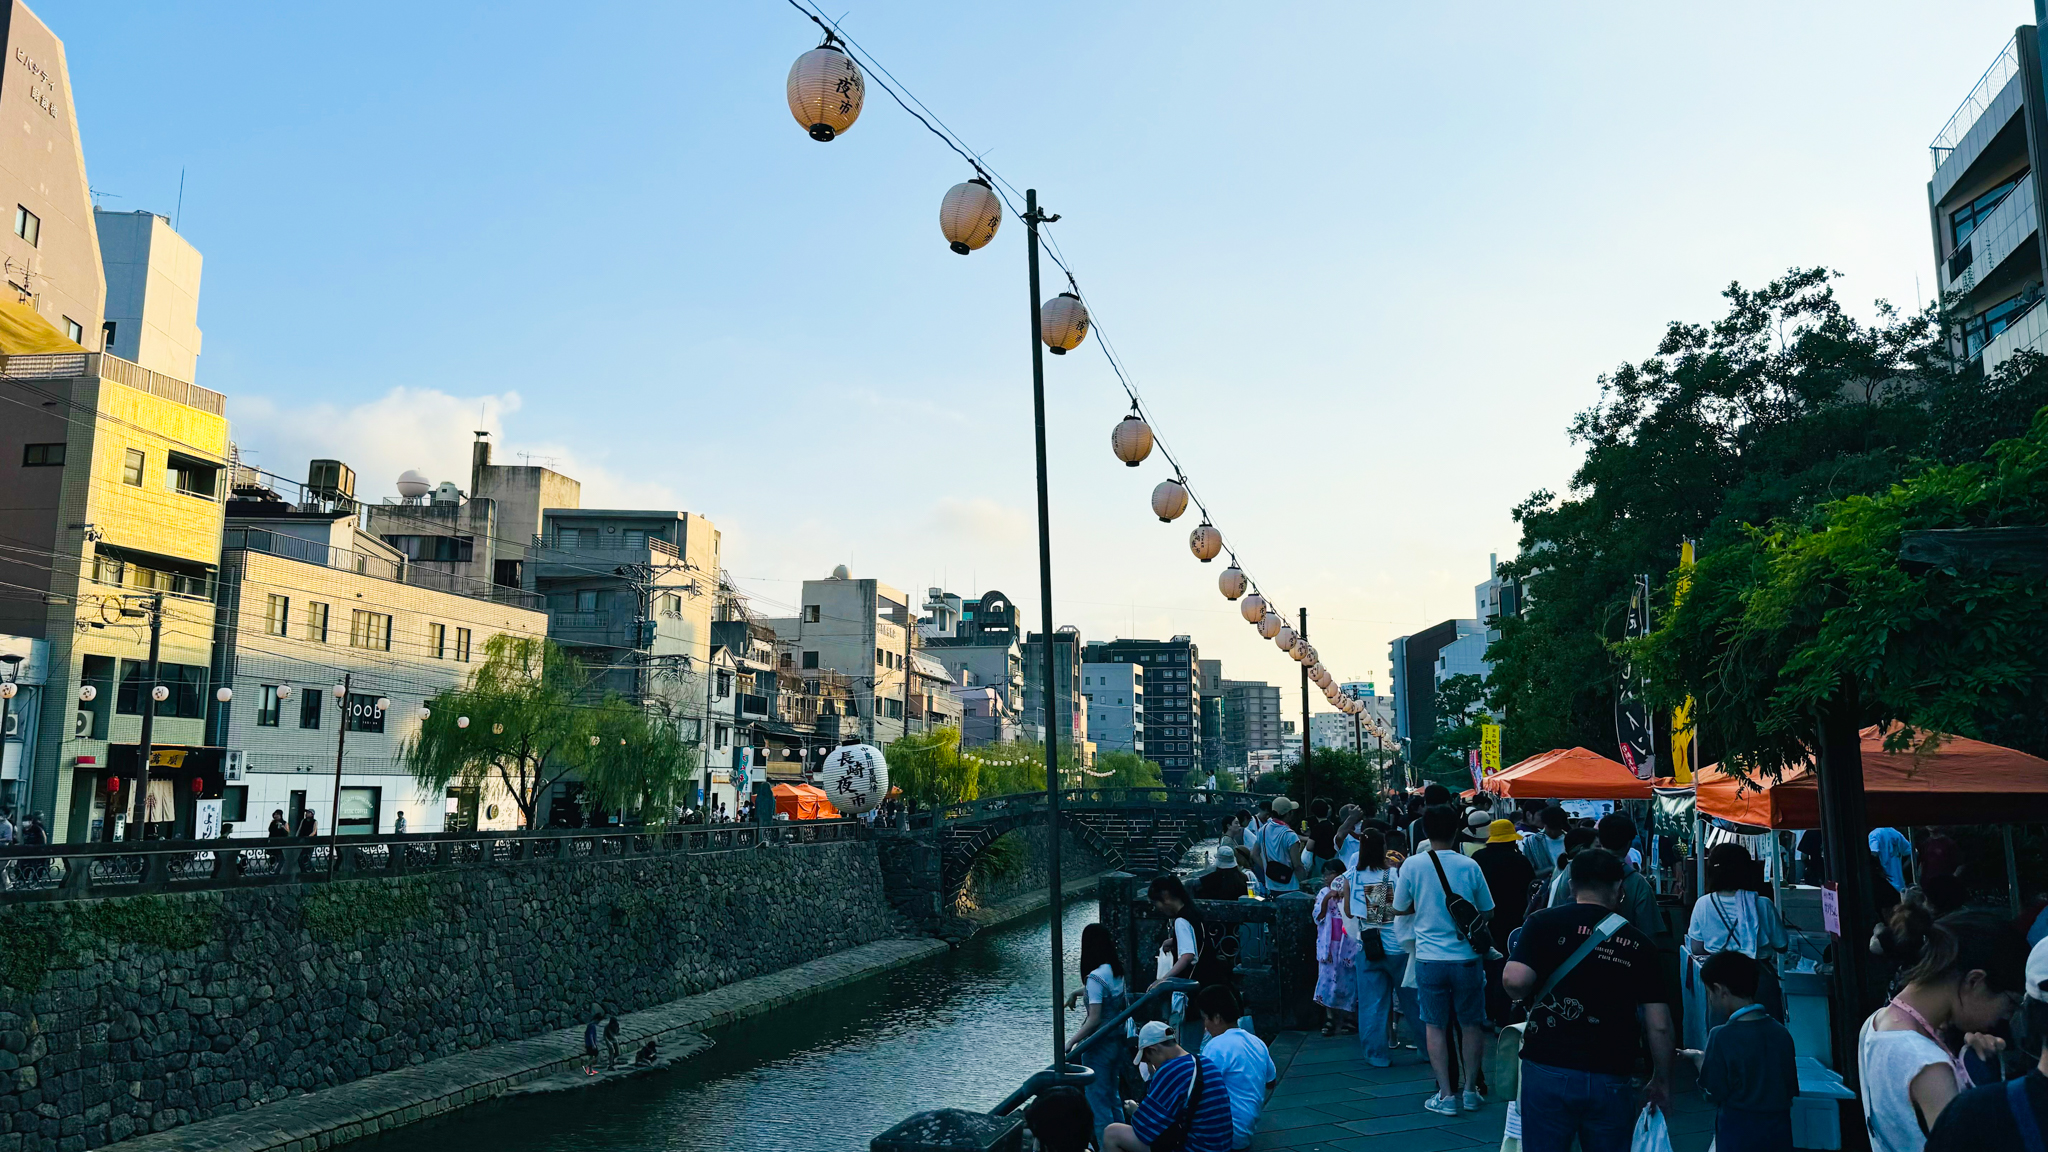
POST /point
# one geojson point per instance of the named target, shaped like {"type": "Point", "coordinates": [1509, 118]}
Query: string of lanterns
{"type": "Point", "coordinates": [826, 89]}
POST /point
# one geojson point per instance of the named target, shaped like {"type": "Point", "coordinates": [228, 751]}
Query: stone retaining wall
{"type": "Point", "coordinates": [141, 1014]}
{"type": "Point", "coordinates": [1076, 861]}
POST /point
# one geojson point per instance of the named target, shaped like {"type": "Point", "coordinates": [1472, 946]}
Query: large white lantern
{"type": "Point", "coordinates": [1270, 624]}
{"type": "Point", "coordinates": [1205, 542]}
{"type": "Point", "coordinates": [1284, 638]}
{"type": "Point", "coordinates": [223, 694]}
{"type": "Point", "coordinates": [7, 690]}
{"type": "Point", "coordinates": [1063, 324]}
{"type": "Point", "coordinates": [1253, 606]}
{"type": "Point", "coordinates": [1322, 676]}
{"type": "Point", "coordinates": [970, 215]}
{"type": "Point", "coordinates": [1169, 500]}
{"type": "Point", "coordinates": [87, 693]}
{"type": "Point", "coordinates": [1305, 652]}
{"type": "Point", "coordinates": [1231, 582]}
{"type": "Point", "coordinates": [1131, 439]}
{"type": "Point", "coordinates": [855, 778]}
{"type": "Point", "coordinates": [159, 693]}
{"type": "Point", "coordinates": [284, 691]}
{"type": "Point", "coordinates": [825, 91]}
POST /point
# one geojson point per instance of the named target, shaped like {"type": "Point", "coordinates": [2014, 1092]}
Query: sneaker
{"type": "Point", "coordinates": [1473, 1100]}
{"type": "Point", "coordinates": [1378, 1062]}
{"type": "Point", "coordinates": [1441, 1105]}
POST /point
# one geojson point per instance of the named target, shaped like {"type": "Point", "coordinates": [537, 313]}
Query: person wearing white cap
{"type": "Point", "coordinates": [1277, 849]}
{"type": "Point", "coordinates": [2014, 1113]}
{"type": "Point", "coordinates": [1187, 1106]}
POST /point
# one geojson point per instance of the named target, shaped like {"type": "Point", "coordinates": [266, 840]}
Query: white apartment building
{"type": "Point", "coordinates": [1116, 706]}
{"type": "Point", "coordinates": [859, 629]}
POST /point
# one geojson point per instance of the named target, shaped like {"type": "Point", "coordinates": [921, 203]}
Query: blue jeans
{"type": "Point", "coordinates": [1451, 986]}
{"type": "Point", "coordinates": [1104, 1093]}
{"type": "Point", "coordinates": [1599, 1108]}
{"type": "Point", "coordinates": [1377, 982]}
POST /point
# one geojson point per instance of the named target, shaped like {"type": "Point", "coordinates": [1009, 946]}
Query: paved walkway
{"type": "Point", "coordinates": [1330, 1100]}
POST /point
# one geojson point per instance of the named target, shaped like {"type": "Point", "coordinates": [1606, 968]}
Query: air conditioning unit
{"type": "Point", "coordinates": [233, 764]}
{"type": "Point", "coordinates": [82, 726]}
{"type": "Point", "coordinates": [11, 726]}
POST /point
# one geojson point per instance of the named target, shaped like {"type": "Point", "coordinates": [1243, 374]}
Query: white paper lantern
{"type": "Point", "coordinates": [1169, 500]}
{"type": "Point", "coordinates": [1131, 439]}
{"type": "Point", "coordinates": [1322, 676]}
{"type": "Point", "coordinates": [159, 693]}
{"type": "Point", "coordinates": [970, 215]}
{"type": "Point", "coordinates": [383, 703]}
{"type": "Point", "coordinates": [1270, 624]}
{"type": "Point", "coordinates": [88, 693]}
{"type": "Point", "coordinates": [340, 690]}
{"type": "Point", "coordinates": [284, 691]}
{"type": "Point", "coordinates": [1231, 582]}
{"type": "Point", "coordinates": [223, 694]}
{"type": "Point", "coordinates": [7, 690]}
{"type": "Point", "coordinates": [1205, 542]}
{"type": "Point", "coordinates": [855, 778]}
{"type": "Point", "coordinates": [1305, 652]}
{"type": "Point", "coordinates": [1284, 638]}
{"type": "Point", "coordinates": [1063, 324]}
{"type": "Point", "coordinates": [1253, 607]}
{"type": "Point", "coordinates": [462, 721]}
{"type": "Point", "coordinates": [426, 712]}
{"type": "Point", "coordinates": [825, 91]}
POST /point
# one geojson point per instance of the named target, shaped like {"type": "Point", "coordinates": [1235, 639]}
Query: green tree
{"type": "Point", "coordinates": [1338, 775]}
{"type": "Point", "coordinates": [1125, 769]}
{"type": "Point", "coordinates": [931, 770]}
{"type": "Point", "coordinates": [515, 723]}
{"type": "Point", "coordinates": [638, 761]}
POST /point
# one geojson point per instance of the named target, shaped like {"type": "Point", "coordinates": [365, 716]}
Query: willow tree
{"type": "Point", "coordinates": [516, 724]}
{"type": "Point", "coordinates": [930, 769]}
{"type": "Point", "coordinates": [638, 761]}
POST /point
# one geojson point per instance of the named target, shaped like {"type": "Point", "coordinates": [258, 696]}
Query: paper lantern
{"type": "Point", "coordinates": [1270, 624]}
{"type": "Point", "coordinates": [8, 690]}
{"type": "Point", "coordinates": [223, 694]}
{"type": "Point", "coordinates": [462, 721]}
{"type": "Point", "coordinates": [1205, 542]}
{"type": "Point", "coordinates": [88, 693]}
{"type": "Point", "coordinates": [198, 785]}
{"type": "Point", "coordinates": [425, 712]}
{"type": "Point", "coordinates": [1169, 500]}
{"type": "Point", "coordinates": [825, 91]}
{"type": "Point", "coordinates": [970, 215]}
{"type": "Point", "coordinates": [1322, 676]}
{"type": "Point", "coordinates": [383, 703]}
{"type": "Point", "coordinates": [340, 690]}
{"type": "Point", "coordinates": [113, 783]}
{"type": "Point", "coordinates": [1131, 439]}
{"type": "Point", "coordinates": [159, 693]}
{"type": "Point", "coordinates": [1231, 582]}
{"type": "Point", "coordinates": [1063, 324]}
{"type": "Point", "coordinates": [1284, 638]}
{"type": "Point", "coordinates": [284, 691]}
{"type": "Point", "coordinates": [1300, 652]}
{"type": "Point", "coordinates": [855, 778]}
{"type": "Point", "coordinates": [1253, 607]}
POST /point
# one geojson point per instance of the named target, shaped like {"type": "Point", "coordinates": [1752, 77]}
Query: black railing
{"type": "Point", "coordinates": [1075, 1075]}
{"type": "Point", "coordinates": [1086, 799]}
{"type": "Point", "coordinates": [95, 871]}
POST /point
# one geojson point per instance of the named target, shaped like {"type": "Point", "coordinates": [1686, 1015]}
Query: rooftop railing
{"type": "Point", "coordinates": [57, 365]}
{"type": "Point", "coordinates": [2003, 69]}
{"type": "Point", "coordinates": [348, 560]}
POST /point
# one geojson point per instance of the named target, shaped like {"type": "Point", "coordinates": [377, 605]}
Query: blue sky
{"type": "Point", "coordinates": [1364, 260]}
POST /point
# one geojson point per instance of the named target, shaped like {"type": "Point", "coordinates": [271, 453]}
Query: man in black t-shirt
{"type": "Point", "coordinates": [1579, 1051]}
{"type": "Point", "coordinates": [1990, 1116]}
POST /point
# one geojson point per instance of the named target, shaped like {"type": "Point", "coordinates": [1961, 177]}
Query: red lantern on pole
{"type": "Point", "coordinates": [113, 784]}
{"type": "Point", "coordinates": [198, 785]}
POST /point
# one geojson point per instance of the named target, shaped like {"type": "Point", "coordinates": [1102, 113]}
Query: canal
{"type": "Point", "coordinates": [961, 1031]}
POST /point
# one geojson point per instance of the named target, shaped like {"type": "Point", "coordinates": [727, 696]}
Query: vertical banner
{"type": "Point", "coordinates": [1681, 716]}
{"type": "Point", "coordinates": [1632, 730]}
{"type": "Point", "coordinates": [1489, 748]}
{"type": "Point", "coordinates": [1472, 761]}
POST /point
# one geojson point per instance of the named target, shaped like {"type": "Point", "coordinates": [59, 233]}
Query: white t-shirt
{"type": "Point", "coordinates": [1278, 841]}
{"type": "Point", "coordinates": [1183, 943]}
{"type": "Point", "coordinates": [1104, 983]}
{"type": "Point", "coordinates": [1738, 920]}
{"type": "Point", "coordinates": [1888, 1062]}
{"type": "Point", "coordinates": [1363, 889]}
{"type": "Point", "coordinates": [1418, 888]}
{"type": "Point", "coordinates": [1247, 1069]}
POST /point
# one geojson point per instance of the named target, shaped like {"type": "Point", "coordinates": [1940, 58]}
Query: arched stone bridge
{"type": "Point", "coordinates": [1139, 830]}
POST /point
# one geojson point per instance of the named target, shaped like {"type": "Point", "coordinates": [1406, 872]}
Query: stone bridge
{"type": "Point", "coordinates": [1138, 830]}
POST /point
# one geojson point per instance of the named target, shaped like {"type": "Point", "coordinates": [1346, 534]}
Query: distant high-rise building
{"type": "Point", "coordinates": [1251, 722]}
{"type": "Point", "coordinates": [1173, 699]}
{"type": "Point", "coordinates": [1070, 707]}
{"type": "Point", "coordinates": [1116, 705]}
{"type": "Point", "coordinates": [152, 302]}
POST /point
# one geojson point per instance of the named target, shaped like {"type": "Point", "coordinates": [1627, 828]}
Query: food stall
{"type": "Point", "coordinates": [803, 802]}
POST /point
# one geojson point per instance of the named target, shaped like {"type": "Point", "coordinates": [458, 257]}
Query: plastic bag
{"type": "Point", "coordinates": [1652, 1135]}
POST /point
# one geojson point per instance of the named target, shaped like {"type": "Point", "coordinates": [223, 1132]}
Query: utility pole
{"type": "Point", "coordinates": [1308, 782]}
{"type": "Point", "coordinates": [148, 704]}
{"type": "Point", "coordinates": [907, 677]}
{"type": "Point", "coordinates": [340, 744]}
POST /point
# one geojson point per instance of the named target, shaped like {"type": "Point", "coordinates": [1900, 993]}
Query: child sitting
{"type": "Point", "coordinates": [1748, 1068]}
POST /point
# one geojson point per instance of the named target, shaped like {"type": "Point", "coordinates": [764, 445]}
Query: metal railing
{"type": "Point", "coordinates": [1071, 799]}
{"type": "Point", "coordinates": [97, 871]}
{"type": "Point", "coordinates": [1075, 1075]}
{"type": "Point", "coordinates": [2003, 69]}
{"type": "Point", "coordinates": [56, 365]}
{"type": "Point", "coordinates": [378, 567]}
{"type": "Point", "coordinates": [591, 538]}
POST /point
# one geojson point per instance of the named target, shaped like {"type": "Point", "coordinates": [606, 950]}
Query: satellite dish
{"type": "Point", "coordinates": [413, 484]}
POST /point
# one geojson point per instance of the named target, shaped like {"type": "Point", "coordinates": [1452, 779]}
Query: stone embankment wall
{"type": "Point", "coordinates": [143, 1013]}
{"type": "Point", "coordinates": [1030, 868]}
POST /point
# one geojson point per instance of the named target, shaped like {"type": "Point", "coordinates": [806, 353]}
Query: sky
{"type": "Point", "coordinates": [1364, 262]}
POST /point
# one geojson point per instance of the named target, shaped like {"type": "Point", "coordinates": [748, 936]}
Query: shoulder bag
{"type": "Point", "coordinates": [1277, 871]}
{"type": "Point", "coordinates": [1174, 1137]}
{"type": "Point", "coordinates": [1507, 1048]}
{"type": "Point", "coordinates": [1466, 917]}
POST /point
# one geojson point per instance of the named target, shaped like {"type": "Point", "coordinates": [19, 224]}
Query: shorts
{"type": "Point", "coordinates": [1447, 986]}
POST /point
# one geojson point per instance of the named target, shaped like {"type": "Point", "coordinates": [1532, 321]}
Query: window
{"type": "Point", "coordinates": [895, 709]}
{"type": "Point", "coordinates": [671, 604]}
{"type": "Point", "coordinates": [568, 538]}
{"type": "Point", "coordinates": [278, 615]}
{"type": "Point", "coordinates": [309, 708]}
{"type": "Point", "coordinates": [187, 684]}
{"type": "Point", "coordinates": [881, 658]}
{"type": "Point", "coordinates": [586, 600]}
{"type": "Point", "coordinates": [810, 659]}
{"type": "Point", "coordinates": [1963, 221]}
{"type": "Point", "coordinates": [721, 735]}
{"type": "Point", "coordinates": [131, 468]}
{"type": "Point", "coordinates": [439, 549]}
{"type": "Point", "coordinates": [725, 683]}
{"type": "Point", "coordinates": [437, 641]}
{"type": "Point", "coordinates": [358, 813]}
{"type": "Point", "coordinates": [266, 709]}
{"type": "Point", "coordinates": [360, 714]}
{"type": "Point", "coordinates": [811, 613]}
{"type": "Point", "coordinates": [234, 803]}
{"type": "Point", "coordinates": [1982, 328]}
{"type": "Point", "coordinates": [316, 623]}
{"type": "Point", "coordinates": [106, 336]}
{"type": "Point", "coordinates": [28, 226]}
{"type": "Point", "coordinates": [191, 476]}
{"type": "Point", "coordinates": [786, 661]}
{"type": "Point", "coordinates": [75, 331]}
{"type": "Point", "coordinates": [42, 455]}
{"type": "Point", "coordinates": [369, 630]}
{"type": "Point", "coordinates": [462, 645]}
{"type": "Point", "coordinates": [107, 569]}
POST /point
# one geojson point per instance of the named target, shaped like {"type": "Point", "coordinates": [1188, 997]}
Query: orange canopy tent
{"type": "Point", "coordinates": [1568, 774]}
{"type": "Point", "coordinates": [803, 802]}
{"type": "Point", "coordinates": [1962, 782]}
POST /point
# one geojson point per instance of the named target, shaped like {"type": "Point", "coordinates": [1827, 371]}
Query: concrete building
{"type": "Point", "coordinates": [984, 717]}
{"type": "Point", "coordinates": [979, 645]}
{"type": "Point", "coordinates": [1419, 665]}
{"type": "Point", "coordinates": [1336, 730]}
{"type": "Point", "coordinates": [1251, 721]}
{"type": "Point", "coordinates": [861, 629]}
{"type": "Point", "coordinates": [1209, 678]}
{"type": "Point", "coordinates": [24, 664]}
{"type": "Point", "coordinates": [1985, 206]}
{"type": "Point", "coordinates": [1072, 718]}
{"type": "Point", "coordinates": [1116, 705]}
{"type": "Point", "coordinates": [1173, 700]}
{"type": "Point", "coordinates": [152, 294]}
{"type": "Point", "coordinates": [52, 253]}
{"type": "Point", "coordinates": [483, 533]}
{"type": "Point", "coordinates": [307, 597]}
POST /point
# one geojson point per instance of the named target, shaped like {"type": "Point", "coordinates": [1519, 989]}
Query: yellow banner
{"type": "Point", "coordinates": [1489, 748]}
{"type": "Point", "coordinates": [1681, 716]}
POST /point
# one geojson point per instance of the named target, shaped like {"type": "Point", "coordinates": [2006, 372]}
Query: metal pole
{"type": "Point", "coordinates": [908, 622]}
{"type": "Point", "coordinates": [1032, 218]}
{"type": "Point", "coordinates": [1845, 829]}
{"type": "Point", "coordinates": [142, 751]}
{"type": "Point", "coordinates": [1308, 783]}
{"type": "Point", "coordinates": [2012, 869]}
{"type": "Point", "coordinates": [340, 743]}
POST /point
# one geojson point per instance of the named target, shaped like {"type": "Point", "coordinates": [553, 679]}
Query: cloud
{"type": "Point", "coordinates": [979, 519]}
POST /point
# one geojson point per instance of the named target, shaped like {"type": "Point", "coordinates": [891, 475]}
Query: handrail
{"type": "Point", "coordinates": [1082, 1075]}
{"type": "Point", "coordinates": [1085, 798]}
{"type": "Point", "coordinates": [1974, 105]}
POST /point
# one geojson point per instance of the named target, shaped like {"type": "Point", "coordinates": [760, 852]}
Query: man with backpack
{"type": "Point", "coordinates": [1586, 971]}
{"type": "Point", "coordinates": [1186, 1109]}
{"type": "Point", "coordinates": [1441, 904]}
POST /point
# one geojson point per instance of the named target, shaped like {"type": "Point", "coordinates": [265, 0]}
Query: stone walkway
{"type": "Point", "coordinates": [1330, 1100]}
{"type": "Point", "coordinates": [348, 1111]}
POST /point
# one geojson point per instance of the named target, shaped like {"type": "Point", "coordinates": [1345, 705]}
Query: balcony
{"type": "Point", "coordinates": [2029, 333]}
{"type": "Point", "coordinates": [1999, 234]}
{"type": "Point", "coordinates": [108, 367]}
{"type": "Point", "coordinates": [580, 627]}
{"type": "Point", "coordinates": [592, 539]}
{"type": "Point", "coordinates": [432, 579]}
{"type": "Point", "coordinates": [1985, 112]}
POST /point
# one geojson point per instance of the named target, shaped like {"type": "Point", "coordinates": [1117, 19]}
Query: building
{"type": "Point", "coordinates": [1116, 705]}
{"type": "Point", "coordinates": [1985, 206]}
{"type": "Point", "coordinates": [307, 598]}
{"type": "Point", "coordinates": [152, 292]}
{"type": "Point", "coordinates": [984, 717]}
{"type": "Point", "coordinates": [52, 254]}
{"type": "Point", "coordinates": [483, 533]}
{"type": "Point", "coordinates": [1070, 706]}
{"type": "Point", "coordinates": [979, 645]}
{"type": "Point", "coordinates": [1420, 665]}
{"type": "Point", "coordinates": [1209, 678]}
{"type": "Point", "coordinates": [1251, 721]}
{"type": "Point", "coordinates": [1173, 699]}
{"type": "Point", "coordinates": [861, 629]}
{"type": "Point", "coordinates": [24, 664]}
{"type": "Point", "coordinates": [1337, 730]}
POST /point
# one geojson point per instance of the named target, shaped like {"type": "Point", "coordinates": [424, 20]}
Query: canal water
{"type": "Point", "coordinates": [961, 1031]}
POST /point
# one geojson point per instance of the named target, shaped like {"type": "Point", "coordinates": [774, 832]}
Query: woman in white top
{"type": "Point", "coordinates": [1971, 975]}
{"type": "Point", "coordinates": [1732, 918]}
{"type": "Point", "coordinates": [1369, 902]}
{"type": "Point", "coordinates": [1102, 989]}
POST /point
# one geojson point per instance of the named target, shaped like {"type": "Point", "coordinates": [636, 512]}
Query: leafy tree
{"type": "Point", "coordinates": [1126, 770]}
{"type": "Point", "coordinates": [638, 761]}
{"type": "Point", "coordinates": [1338, 775]}
{"type": "Point", "coordinates": [930, 769]}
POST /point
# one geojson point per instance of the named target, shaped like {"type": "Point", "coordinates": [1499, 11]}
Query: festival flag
{"type": "Point", "coordinates": [1632, 729]}
{"type": "Point", "coordinates": [1681, 716]}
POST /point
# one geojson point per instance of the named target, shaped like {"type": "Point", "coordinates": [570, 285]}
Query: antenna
{"type": "Point", "coordinates": [178, 216]}
{"type": "Point", "coordinates": [97, 194]}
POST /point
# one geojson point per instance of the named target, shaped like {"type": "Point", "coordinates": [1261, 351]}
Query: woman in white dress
{"type": "Point", "coordinates": [1731, 917]}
